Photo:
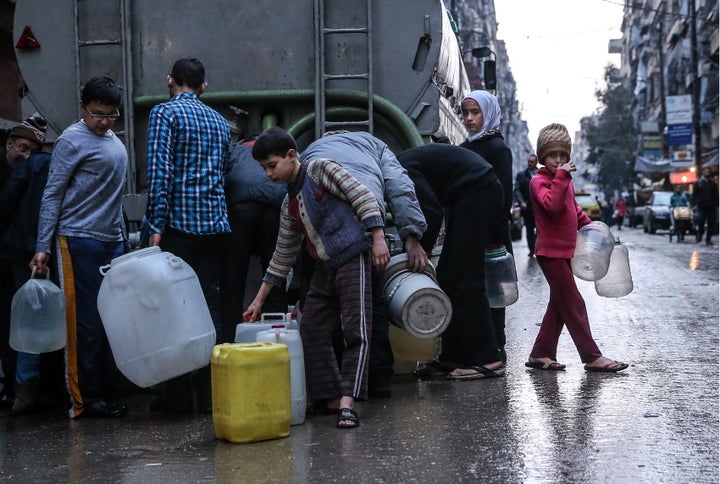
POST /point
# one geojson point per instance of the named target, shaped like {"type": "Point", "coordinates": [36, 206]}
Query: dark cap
{"type": "Point", "coordinates": [33, 128]}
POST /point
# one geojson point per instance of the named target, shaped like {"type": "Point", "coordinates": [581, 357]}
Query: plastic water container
{"type": "Point", "coordinates": [37, 317]}
{"type": "Point", "coordinates": [592, 251]}
{"type": "Point", "coordinates": [501, 284]}
{"type": "Point", "coordinates": [298, 398]}
{"type": "Point", "coordinates": [435, 255]}
{"type": "Point", "coordinates": [155, 316]}
{"type": "Point", "coordinates": [414, 300]}
{"type": "Point", "coordinates": [251, 391]}
{"type": "Point", "coordinates": [618, 280]}
{"type": "Point", "coordinates": [246, 332]}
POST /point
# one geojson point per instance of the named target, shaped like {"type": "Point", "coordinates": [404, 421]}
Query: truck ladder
{"type": "Point", "coordinates": [322, 34]}
{"type": "Point", "coordinates": [105, 64]}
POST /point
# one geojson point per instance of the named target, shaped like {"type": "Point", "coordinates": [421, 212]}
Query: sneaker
{"type": "Point", "coordinates": [103, 409]}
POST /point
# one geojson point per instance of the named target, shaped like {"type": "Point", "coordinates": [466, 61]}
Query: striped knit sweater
{"type": "Point", "coordinates": [332, 210]}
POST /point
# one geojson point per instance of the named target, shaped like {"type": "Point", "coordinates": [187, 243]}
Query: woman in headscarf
{"type": "Point", "coordinates": [482, 115]}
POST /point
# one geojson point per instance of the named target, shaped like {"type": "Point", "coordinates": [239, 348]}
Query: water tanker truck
{"type": "Point", "coordinates": [390, 67]}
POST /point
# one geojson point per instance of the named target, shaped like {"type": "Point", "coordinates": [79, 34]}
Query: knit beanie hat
{"type": "Point", "coordinates": [553, 137]}
{"type": "Point", "coordinates": [33, 128]}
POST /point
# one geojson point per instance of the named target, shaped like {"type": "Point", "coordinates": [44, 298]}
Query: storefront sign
{"type": "Point", "coordinates": [680, 134]}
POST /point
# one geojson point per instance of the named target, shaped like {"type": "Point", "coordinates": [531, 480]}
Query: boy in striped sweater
{"type": "Point", "coordinates": [331, 211]}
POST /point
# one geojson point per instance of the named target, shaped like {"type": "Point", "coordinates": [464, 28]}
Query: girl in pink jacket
{"type": "Point", "coordinates": [558, 218]}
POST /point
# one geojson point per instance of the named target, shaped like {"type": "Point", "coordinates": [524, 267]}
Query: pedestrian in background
{"type": "Point", "coordinates": [373, 164]}
{"type": "Point", "coordinates": [331, 210]}
{"type": "Point", "coordinates": [607, 211]}
{"type": "Point", "coordinates": [705, 202]}
{"type": "Point", "coordinates": [620, 209]}
{"type": "Point", "coordinates": [254, 203]}
{"type": "Point", "coordinates": [559, 217]}
{"type": "Point", "coordinates": [522, 197]}
{"type": "Point", "coordinates": [81, 226]}
{"type": "Point", "coordinates": [482, 116]}
{"type": "Point", "coordinates": [187, 152]}
{"type": "Point", "coordinates": [679, 198]}
{"type": "Point", "coordinates": [461, 187]}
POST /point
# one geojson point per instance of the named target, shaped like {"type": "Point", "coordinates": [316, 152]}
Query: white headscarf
{"type": "Point", "coordinates": [490, 109]}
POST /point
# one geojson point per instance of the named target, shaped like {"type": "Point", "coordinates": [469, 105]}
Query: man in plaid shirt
{"type": "Point", "coordinates": [188, 147]}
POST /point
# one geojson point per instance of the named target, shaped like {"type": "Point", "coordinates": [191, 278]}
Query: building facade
{"type": "Point", "coordinates": [477, 28]}
{"type": "Point", "coordinates": [669, 52]}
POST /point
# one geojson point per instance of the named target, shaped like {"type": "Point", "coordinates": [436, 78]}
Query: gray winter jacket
{"type": "Point", "coordinates": [374, 165]}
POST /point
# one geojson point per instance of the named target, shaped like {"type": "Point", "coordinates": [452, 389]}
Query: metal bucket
{"type": "Point", "coordinates": [414, 300]}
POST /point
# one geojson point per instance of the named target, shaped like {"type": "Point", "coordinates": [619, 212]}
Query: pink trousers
{"type": "Point", "coordinates": [566, 308]}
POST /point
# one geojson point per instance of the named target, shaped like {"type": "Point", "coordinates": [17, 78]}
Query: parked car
{"type": "Point", "coordinates": [589, 204]}
{"type": "Point", "coordinates": [657, 212]}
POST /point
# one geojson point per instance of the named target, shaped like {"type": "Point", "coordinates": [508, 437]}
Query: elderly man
{"type": "Point", "coordinates": [22, 178]}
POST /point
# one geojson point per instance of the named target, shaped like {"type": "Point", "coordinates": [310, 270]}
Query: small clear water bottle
{"type": "Point", "coordinates": [618, 280]}
{"type": "Point", "coordinates": [500, 278]}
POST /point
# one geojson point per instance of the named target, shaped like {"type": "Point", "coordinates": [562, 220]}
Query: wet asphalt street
{"type": "Point", "coordinates": [656, 422]}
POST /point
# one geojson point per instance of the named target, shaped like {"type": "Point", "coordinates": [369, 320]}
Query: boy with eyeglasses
{"type": "Point", "coordinates": [81, 225]}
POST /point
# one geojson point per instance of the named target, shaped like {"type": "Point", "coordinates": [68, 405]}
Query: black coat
{"type": "Point", "coordinates": [442, 174]}
{"type": "Point", "coordinates": [705, 194]}
{"type": "Point", "coordinates": [496, 152]}
{"type": "Point", "coordinates": [522, 191]}
{"type": "Point", "coordinates": [20, 203]}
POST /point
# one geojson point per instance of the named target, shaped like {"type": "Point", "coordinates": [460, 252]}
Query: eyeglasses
{"type": "Point", "coordinates": [23, 149]}
{"type": "Point", "coordinates": [98, 117]}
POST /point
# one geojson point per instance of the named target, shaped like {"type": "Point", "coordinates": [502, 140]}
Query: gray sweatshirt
{"type": "Point", "coordinates": [83, 195]}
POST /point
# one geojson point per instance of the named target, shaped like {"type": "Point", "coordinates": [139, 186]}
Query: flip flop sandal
{"type": "Point", "coordinates": [432, 370]}
{"type": "Point", "coordinates": [607, 368]}
{"type": "Point", "coordinates": [349, 415]}
{"type": "Point", "coordinates": [482, 372]}
{"type": "Point", "coordinates": [540, 365]}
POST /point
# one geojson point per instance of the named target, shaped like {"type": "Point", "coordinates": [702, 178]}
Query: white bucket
{"type": "Point", "coordinates": [414, 300]}
{"type": "Point", "coordinates": [155, 316]}
{"type": "Point", "coordinates": [291, 338]}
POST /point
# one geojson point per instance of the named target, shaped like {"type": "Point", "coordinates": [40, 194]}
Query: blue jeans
{"type": "Point", "coordinates": [27, 368]}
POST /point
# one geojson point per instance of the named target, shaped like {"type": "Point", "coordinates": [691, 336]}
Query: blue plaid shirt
{"type": "Point", "coordinates": [188, 146]}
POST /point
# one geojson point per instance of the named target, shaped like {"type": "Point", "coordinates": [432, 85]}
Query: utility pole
{"type": "Point", "coordinates": [696, 87]}
{"type": "Point", "coordinates": [661, 39]}
{"type": "Point", "coordinates": [663, 108]}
